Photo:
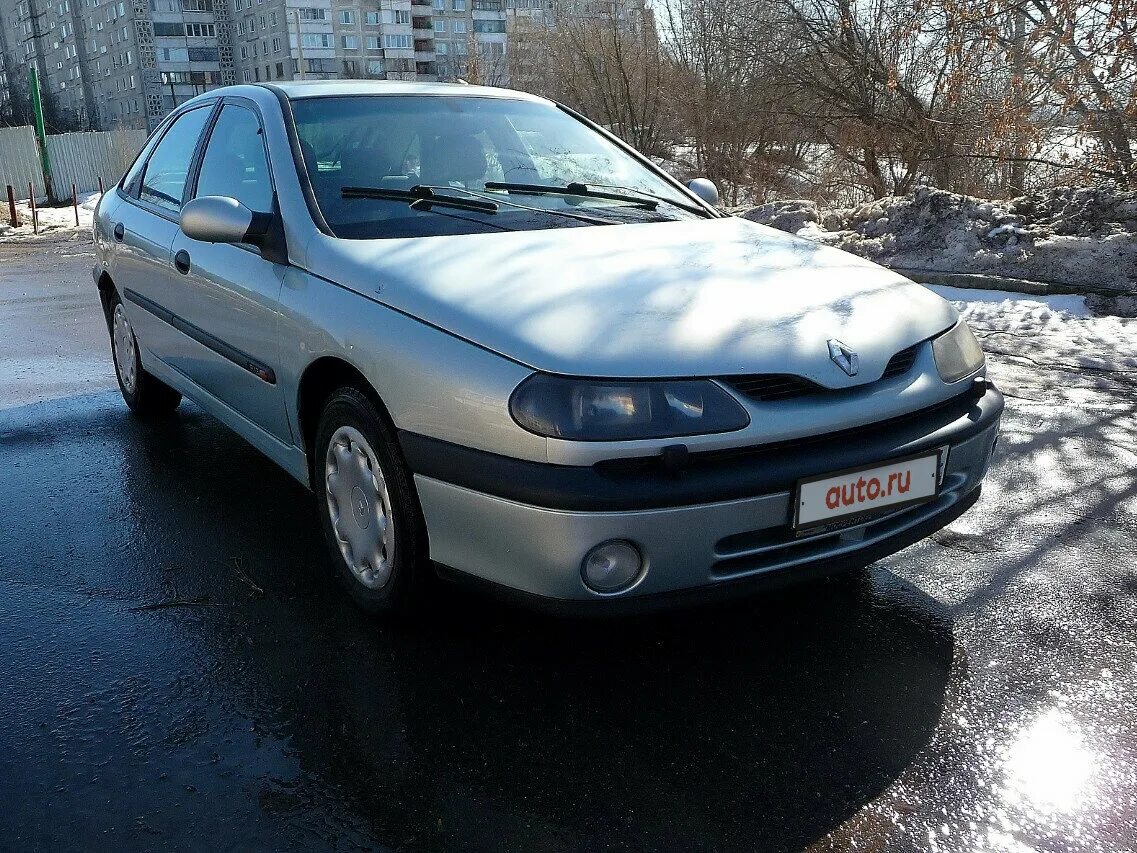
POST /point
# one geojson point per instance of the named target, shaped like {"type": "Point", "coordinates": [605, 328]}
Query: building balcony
{"type": "Point", "coordinates": [423, 33]}
{"type": "Point", "coordinates": [422, 56]}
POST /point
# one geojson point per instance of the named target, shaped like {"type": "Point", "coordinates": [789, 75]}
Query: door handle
{"type": "Point", "coordinates": [182, 261]}
{"type": "Point", "coordinates": [119, 233]}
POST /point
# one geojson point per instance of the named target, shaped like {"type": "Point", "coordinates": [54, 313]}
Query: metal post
{"type": "Point", "coordinates": [32, 202]}
{"type": "Point", "coordinates": [41, 130]}
{"type": "Point", "coordinates": [75, 204]}
{"type": "Point", "coordinates": [299, 46]}
{"type": "Point", "coordinates": [101, 190]}
{"type": "Point", "coordinates": [15, 218]}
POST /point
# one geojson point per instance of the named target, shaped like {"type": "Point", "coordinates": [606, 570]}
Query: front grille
{"type": "Point", "coordinates": [902, 362]}
{"type": "Point", "coordinates": [770, 387]}
{"type": "Point", "coordinates": [765, 387]}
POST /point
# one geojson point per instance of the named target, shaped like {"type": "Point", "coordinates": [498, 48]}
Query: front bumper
{"type": "Point", "coordinates": [528, 531]}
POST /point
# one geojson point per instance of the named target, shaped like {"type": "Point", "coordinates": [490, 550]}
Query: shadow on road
{"type": "Point", "coordinates": [756, 726]}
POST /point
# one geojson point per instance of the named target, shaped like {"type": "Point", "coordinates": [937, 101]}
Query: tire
{"type": "Point", "coordinates": [372, 522]}
{"type": "Point", "coordinates": [146, 395]}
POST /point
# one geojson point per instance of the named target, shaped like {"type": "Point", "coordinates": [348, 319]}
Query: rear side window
{"type": "Point", "coordinates": [164, 181]}
{"type": "Point", "coordinates": [235, 164]}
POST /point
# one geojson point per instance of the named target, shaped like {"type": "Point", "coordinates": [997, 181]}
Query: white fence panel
{"type": "Point", "coordinates": [19, 161]}
{"type": "Point", "coordinates": [83, 158]}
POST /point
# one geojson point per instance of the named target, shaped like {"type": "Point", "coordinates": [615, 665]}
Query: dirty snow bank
{"type": "Point", "coordinates": [50, 218]}
{"type": "Point", "coordinates": [1084, 236]}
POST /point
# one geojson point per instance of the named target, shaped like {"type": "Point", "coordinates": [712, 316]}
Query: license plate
{"type": "Point", "coordinates": [863, 491]}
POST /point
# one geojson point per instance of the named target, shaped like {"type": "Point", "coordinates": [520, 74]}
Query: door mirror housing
{"type": "Point", "coordinates": [220, 219]}
{"type": "Point", "coordinates": [706, 190]}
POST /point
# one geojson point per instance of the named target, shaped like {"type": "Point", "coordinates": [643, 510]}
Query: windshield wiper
{"type": "Point", "coordinates": [580, 217]}
{"type": "Point", "coordinates": [682, 205]}
{"type": "Point", "coordinates": [575, 189]}
{"type": "Point", "coordinates": [421, 198]}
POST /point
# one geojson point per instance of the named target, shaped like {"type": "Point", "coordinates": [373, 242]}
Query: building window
{"type": "Point", "coordinates": [200, 31]}
{"type": "Point", "coordinates": [277, 46]}
{"type": "Point", "coordinates": [458, 5]}
{"type": "Point", "coordinates": [347, 17]}
{"type": "Point", "coordinates": [440, 5]}
{"type": "Point", "coordinates": [316, 39]}
{"type": "Point", "coordinates": [372, 42]}
{"type": "Point", "coordinates": [372, 18]}
{"type": "Point", "coordinates": [441, 48]}
{"type": "Point", "coordinates": [397, 42]}
{"type": "Point", "coordinates": [247, 76]}
{"type": "Point", "coordinates": [197, 5]}
{"type": "Point", "coordinates": [440, 25]}
{"type": "Point", "coordinates": [375, 66]}
{"type": "Point", "coordinates": [349, 42]}
{"type": "Point", "coordinates": [489, 26]}
{"type": "Point", "coordinates": [313, 14]}
{"type": "Point", "coordinates": [459, 26]}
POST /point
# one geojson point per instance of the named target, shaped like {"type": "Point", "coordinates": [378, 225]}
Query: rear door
{"type": "Point", "coordinates": [144, 227]}
{"type": "Point", "coordinates": [228, 295]}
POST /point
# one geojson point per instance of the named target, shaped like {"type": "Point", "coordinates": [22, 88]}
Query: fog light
{"type": "Point", "coordinates": [611, 566]}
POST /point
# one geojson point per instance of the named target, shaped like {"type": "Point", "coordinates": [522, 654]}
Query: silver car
{"type": "Point", "coordinates": [498, 343]}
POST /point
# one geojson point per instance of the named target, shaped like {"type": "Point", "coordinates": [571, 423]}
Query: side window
{"type": "Point", "coordinates": [235, 164]}
{"type": "Point", "coordinates": [164, 181]}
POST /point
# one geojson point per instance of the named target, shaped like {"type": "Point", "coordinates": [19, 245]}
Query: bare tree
{"type": "Point", "coordinates": [604, 59]}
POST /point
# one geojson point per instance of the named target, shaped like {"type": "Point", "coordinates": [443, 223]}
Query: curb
{"type": "Point", "coordinates": [979, 281]}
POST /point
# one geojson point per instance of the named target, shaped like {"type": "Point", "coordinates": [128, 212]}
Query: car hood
{"type": "Point", "coordinates": [698, 298]}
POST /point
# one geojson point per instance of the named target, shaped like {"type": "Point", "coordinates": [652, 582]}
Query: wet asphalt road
{"type": "Point", "coordinates": [178, 671]}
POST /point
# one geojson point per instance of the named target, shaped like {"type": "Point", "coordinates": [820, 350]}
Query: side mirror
{"type": "Point", "coordinates": [706, 190]}
{"type": "Point", "coordinates": [219, 219]}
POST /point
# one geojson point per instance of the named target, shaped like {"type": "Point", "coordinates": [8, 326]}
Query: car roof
{"type": "Point", "coordinates": [296, 90]}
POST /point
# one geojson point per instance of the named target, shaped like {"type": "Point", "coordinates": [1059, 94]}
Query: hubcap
{"type": "Point", "coordinates": [360, 507]}
{"type": "Point", "coordinates": [124, 350]}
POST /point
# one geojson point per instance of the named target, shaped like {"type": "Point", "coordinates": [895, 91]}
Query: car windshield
{"type": "Point", "coordinates": [456, 145]}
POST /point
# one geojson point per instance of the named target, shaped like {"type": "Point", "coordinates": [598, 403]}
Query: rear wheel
{"type": "Point", "coordinates": [367, 505]}
{"type": "Point", "coordinates": [146, 395]}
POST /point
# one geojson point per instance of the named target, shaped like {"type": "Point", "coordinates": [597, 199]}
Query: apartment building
{"type": "Point", "coordinates": [108, 63]}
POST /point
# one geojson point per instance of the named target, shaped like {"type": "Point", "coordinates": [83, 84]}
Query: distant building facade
{"type": "Point", "coordinates": [127, 63]}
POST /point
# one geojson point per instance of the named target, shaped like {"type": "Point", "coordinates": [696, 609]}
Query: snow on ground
{"type": "Point", "coordinates": [50, 218]}
{"type": "Point", "coordinates": [1075, 237]}
{"type": "Point", "coordinates": [1048, 332]}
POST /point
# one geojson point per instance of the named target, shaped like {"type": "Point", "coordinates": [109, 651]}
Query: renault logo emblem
{"type": "Point", "coordinates": [844, 357]}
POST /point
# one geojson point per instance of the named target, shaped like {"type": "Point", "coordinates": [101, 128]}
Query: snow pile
{"type": "Point", "coordinates": [1070, 236]}
{"type": "Point", "coordinates": [51, 219]}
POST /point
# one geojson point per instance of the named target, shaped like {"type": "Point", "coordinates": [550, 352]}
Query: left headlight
{"type": "Point", "coordinates": [613, 410]}
{"type": "Point", "coordinates": [957, 353]}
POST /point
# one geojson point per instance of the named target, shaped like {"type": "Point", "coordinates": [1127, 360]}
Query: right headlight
{"type": "Point", "coordinates": [615, 410]}
{"type": "Point", "coordinates": [957, 353]}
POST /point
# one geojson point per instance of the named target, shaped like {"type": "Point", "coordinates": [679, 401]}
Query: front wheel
{"type": "Point", "coordinates": [367, 505]}
{"type": "Point", "coordinates": [146, 395]}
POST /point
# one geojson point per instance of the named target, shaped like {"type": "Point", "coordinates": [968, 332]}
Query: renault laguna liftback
{"type": "Point", "coordinates": [498, 343]}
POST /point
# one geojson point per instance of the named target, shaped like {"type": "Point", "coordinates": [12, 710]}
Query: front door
{"type": "Point", "coordinates": [229, 295]}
